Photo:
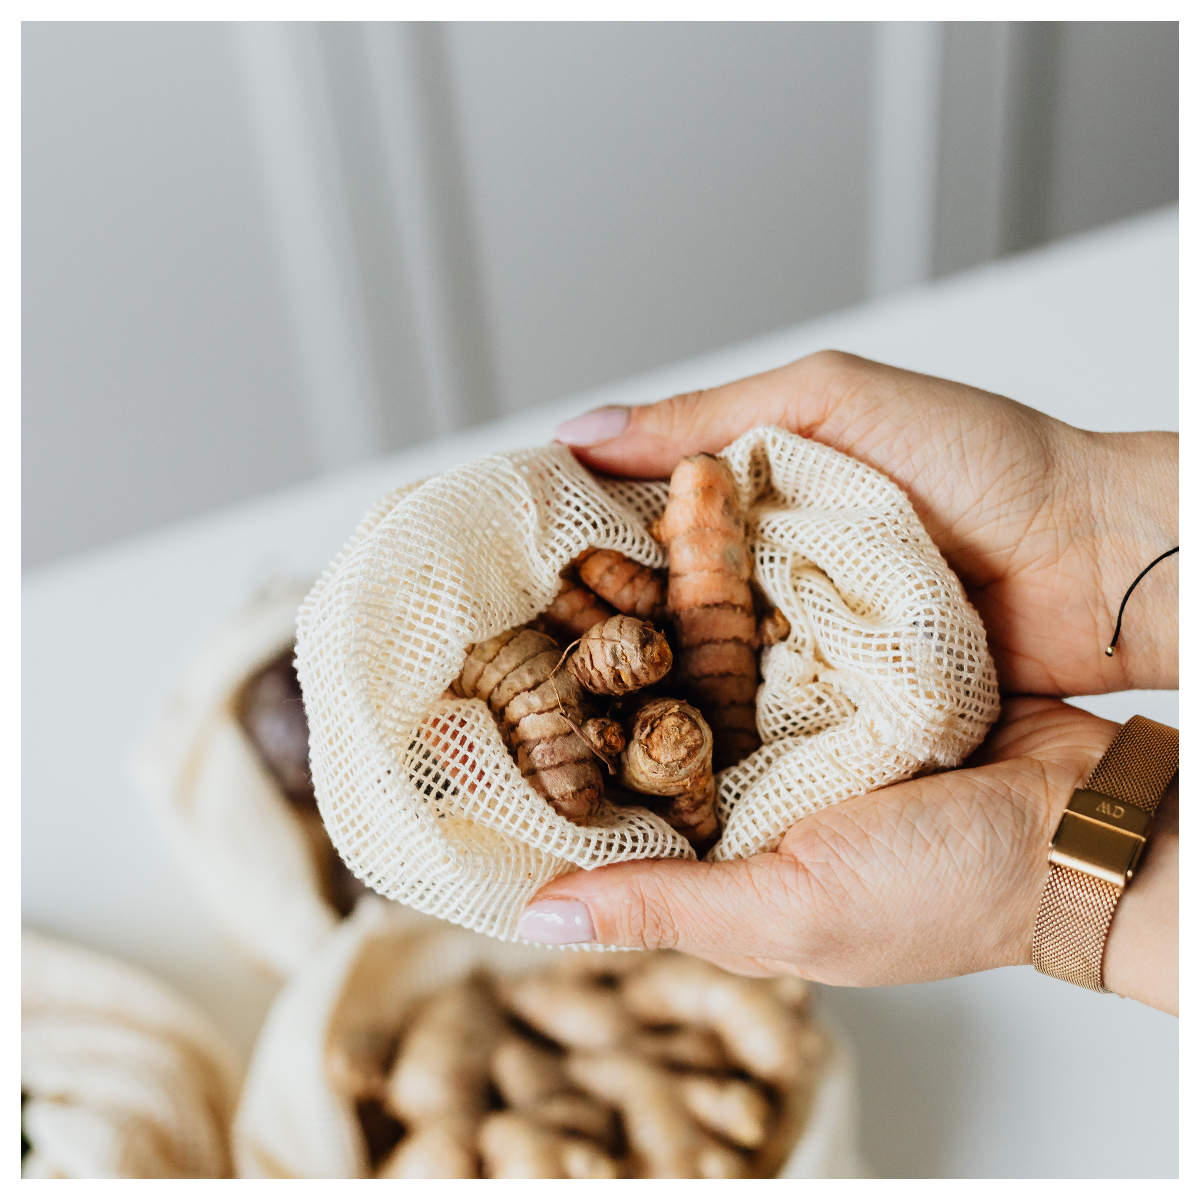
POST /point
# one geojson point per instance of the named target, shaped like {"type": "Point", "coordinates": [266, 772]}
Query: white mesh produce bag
{"type": "Point", "coordinates": [292, 1123]}
{"type": "Point", "coordinates": [885, 672]}
{"type": "Point", "coordinates": [124, 1079]}
{"type": "Point", "coordinates": [243, 843]}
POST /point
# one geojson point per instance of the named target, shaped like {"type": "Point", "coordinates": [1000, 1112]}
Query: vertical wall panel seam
{"type": "Point", "coordinates": [303, 178]}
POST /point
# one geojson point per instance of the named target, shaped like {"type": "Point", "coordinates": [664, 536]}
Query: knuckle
{"type": "Point", "coordinates": [677, 414]}
{"type": "Point", "coordinates": [831, 360]}
{"type": "Point", "coordinates": [649, 919]}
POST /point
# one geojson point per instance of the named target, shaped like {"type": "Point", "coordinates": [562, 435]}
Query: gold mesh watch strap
{"type": "Point", "coordinates": [1096, 849]}
{"type": "Point", "coordinates": [1139, 764]}
{"type": "Point", "coordinates": [1072, 926]}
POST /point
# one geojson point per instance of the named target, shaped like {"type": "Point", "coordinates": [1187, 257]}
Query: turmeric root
{"type": "Point", "coordinates": [443, 1064]}
{"type": "Point", "coordinates": [543, 715]}
{"type": "Point", "coordinates": [606, 738]}
{"type": "Point", "coordinates": [570, 1011]}
{"type": "Point", "coordinates": [620, 655]}
{"type": "Point", "coordinates": [628, 586]}
{"type": "Point", "coordinates": [773, 628]}
{"type": "Point", "coordinates": [710, 603]}
{"type": "Point", "coordinates": [762, 1034]}
{"type": "Point", "coordinates": [515, 1146]}
{"type": "Point", "coordinates": [669, 753]}
{"type": "Point", "coordinates": [574, 611]}
{"type": "Point", "coordinates": [666, 1141]}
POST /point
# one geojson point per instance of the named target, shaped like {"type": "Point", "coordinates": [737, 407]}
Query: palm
{"type": "Point", "coordinates": [960, 855]}
{"type": "Point", "coordinates": [979, 476]}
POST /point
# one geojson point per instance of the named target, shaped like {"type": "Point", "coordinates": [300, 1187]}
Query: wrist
{"type": "Point", "coordinates": [1134, 481]}
{"type": "Point", "coordinates": [1141, 959]}
{"type": "Point", "coordinates": [1067, 771]}
{"type": "Point", "coordinates": [1088, 931]}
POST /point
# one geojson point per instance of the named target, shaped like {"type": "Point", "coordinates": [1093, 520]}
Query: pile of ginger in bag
{"type": "Point", "coordinates": [646, 679]}
{"type": "Point", "coordinates": [613, 1066]}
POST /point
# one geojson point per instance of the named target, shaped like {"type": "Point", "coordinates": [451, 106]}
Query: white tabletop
{"type": "Point", "coordinates": [990, 1075]}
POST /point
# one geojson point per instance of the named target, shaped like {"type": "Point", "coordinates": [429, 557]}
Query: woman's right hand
{"type": "Point", "coordinates": [1045, 524]}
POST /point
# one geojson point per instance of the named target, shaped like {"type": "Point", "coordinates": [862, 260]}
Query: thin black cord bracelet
{"type": "Point", "coordinates": [1121, 611]}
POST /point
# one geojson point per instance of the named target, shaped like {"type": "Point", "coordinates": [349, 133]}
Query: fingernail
{"type": "Point", "coordinates": [596, 426]}
{"type": "Point", "coordinates": [556, 922]}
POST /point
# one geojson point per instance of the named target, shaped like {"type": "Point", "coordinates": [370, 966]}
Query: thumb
{"type": "Point", "coordinates": [647, 441]}
{"type": "Point", "coordinates": [757, 907]}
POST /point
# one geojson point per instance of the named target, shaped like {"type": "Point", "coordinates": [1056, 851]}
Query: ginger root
{"type": "Point", "coordinates": [730, 1107]}
{"type": "Point", "coordinates": [570, 1011]}
{"type": "Point", "coordinates": [669, 753]}
{"type": "Point", "coordinates": [690, 1047]}
{"type": "Point", "coordinates": [442, 1148]}
{"type": "Point", "coordinates": [666, 1140]}
{"type": "Point", "coordinates": [710, 602]}
{"type": "Point", "coordinates": [544, 715]}
{"type": "Point", "coordinates": [438, 1085]}
{"type": "Point", "coordinates": [574, 1112]}
{"type": "Point", "coordinates": [535, 1080]}
{"type": "Point", "coordinates": [620, 655]}
{"type": "Point", "coordinates": [524, 1073]}
{"type": "Point", "coordinates": [516, 1146]}
{"type": "Point", "coordinates": [762, 1034]}
{"type": "Point", "coordinates": [443, 1065]}
{"type": "Point", "coordinates": [628, 586]}
{"type": "Point", "coordinates": [602, 1067]}
{"type": "Point", "coordinates": [355, 1063]}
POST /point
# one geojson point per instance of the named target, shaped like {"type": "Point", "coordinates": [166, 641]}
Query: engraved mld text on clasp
{"type": "Point", "coordinates": [1100, 836]}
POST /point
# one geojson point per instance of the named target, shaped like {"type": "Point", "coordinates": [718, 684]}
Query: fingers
{"type": "Point", "coordinates": [749, 915]}
{"type": "Point", "coordinates": [648, 441]}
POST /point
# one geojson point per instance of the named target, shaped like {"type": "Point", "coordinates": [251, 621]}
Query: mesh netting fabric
{"type": "Point", "coordinates": [291, 1123]}
{"type": "Point", "coordinates": [124, 1078]}
{"type": "Point", "coordinates": [240, 839]}
{"type": "Point", "coordinates": [885, 672]}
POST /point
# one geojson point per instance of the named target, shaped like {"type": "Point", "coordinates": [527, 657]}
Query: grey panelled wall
{"type": "Point", "coordinates": [252, 253]}
{"type": "Point", "coordinates": [158, 370]}
{"type": "Point", "coordinates": [645, 192]}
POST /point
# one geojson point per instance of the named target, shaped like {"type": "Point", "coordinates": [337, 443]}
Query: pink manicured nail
{"type": "Point", "coordinates": [599, 425]}
{"type": "Point", "coordinates": [556, 922]}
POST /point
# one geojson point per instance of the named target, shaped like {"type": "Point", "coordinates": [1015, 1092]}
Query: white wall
{"type": "Point", "coordinates": [257, 252]}
{"type": "Point", "coordinates": [159, 374]}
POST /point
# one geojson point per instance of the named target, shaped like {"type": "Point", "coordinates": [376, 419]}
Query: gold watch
{"type": "Point", "coordinates": [1096, 849]}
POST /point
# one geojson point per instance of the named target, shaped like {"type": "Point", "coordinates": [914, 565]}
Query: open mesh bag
{"type": "Point", "coordinates": [885, 673]}
{"type": "Point", "coordinates": [123, 1078]}
{"type": "Point", "coordinates": [248, 850]}
{"type": "Point", "coordinates": [293, 1123]}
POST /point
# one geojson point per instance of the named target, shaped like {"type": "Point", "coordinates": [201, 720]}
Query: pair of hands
{"type": "Point", "coordinates": [1046, 525]}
